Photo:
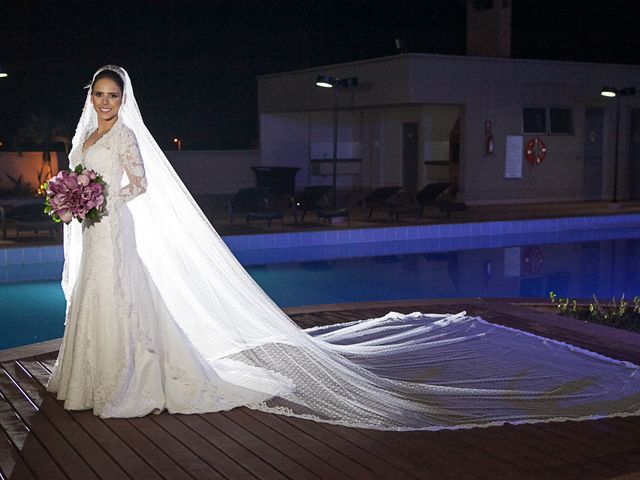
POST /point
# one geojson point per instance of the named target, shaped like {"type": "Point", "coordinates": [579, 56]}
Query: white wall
{"type": "Point", "coordinates": [291, 149]}
{"type": "Point", "coordinates": [215, 171]}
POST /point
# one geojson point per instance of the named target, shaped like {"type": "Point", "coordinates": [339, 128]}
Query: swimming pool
{"type": "Point", "coordinates": [513, 261]}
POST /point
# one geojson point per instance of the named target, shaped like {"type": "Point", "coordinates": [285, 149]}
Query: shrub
{"type": "Point", "coordinates": [619, 314]}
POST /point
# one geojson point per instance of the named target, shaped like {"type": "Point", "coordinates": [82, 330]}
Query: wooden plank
{"type": "Point", "coordinates": [377, 467]}
{"type": "Point", "coordinates": [312, 320]}
{"type": "Point", "coordinates": [333, 318]}
{"type": "Point", "coordinates": [11, 463]}
{"type": "Point", "coordinates": [482, 458]}
{"type": "Point", "coordinates": [622, 462]}
{"type": "Point", "coordinates": [162, 464]}
{"type": "Point", "coordinates": [243, 456]}
{"type": "Point", "coordinates": [29, 403]}
{"type": "Point", "coordinates": [564, 448]}
{"type": "Point", "coordinates": [266, 452]}
{"type": "Point", "coordinates": [629, 427]}
{"type": "Point", "coordinates": [128, 459]}
{"type": "Point", "coordinates": [303, 322]}
{"type": "Point", "coordinates": [300, 436]}
{"type": "Point", "coordinates": [350, 315]}
{"type": "Point", "coordinates": [510, 444]}
{"type": "Point", "coordinates": [598, 442]}
{"type": "Point", "coordinates": [428, 450]}
{"type": "Point", "coordinates": [285, 445]}
{"type": "Point", "coordinates": [46, 361]}
{"type": "Point", "coordinates": [30, 447]}
{"type": "Point", "coordinates": [76, 436]}
{"type": "Point", "coordinates": [171, 447]}
{"type": "Point", "coordinates": [202, 447]}
{"type": "Point", "coordinates": [411, 465]}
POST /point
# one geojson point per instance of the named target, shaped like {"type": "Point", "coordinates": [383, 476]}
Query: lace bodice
{"type": "Point", "coordinates": [113, 156]}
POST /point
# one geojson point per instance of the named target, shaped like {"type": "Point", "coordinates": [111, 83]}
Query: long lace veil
{"type": "Point", "coordinates": [398, 372]}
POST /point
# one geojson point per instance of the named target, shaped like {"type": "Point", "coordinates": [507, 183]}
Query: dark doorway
{"type": "Point", "coordinates": [593, 153]}
{"type": "Point", "coordinates": [454, 158]}
{"type": "Point", "coordinates": [410, 156]}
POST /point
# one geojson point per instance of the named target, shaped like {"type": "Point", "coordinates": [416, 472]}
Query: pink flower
{"type": "Point", "coordinates": [83, 179]}
{"type": "Point", "coordinates": [65, 215]}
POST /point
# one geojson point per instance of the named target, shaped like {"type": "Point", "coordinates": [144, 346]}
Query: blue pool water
{"type": "Point", "coordinates": [577, 263]}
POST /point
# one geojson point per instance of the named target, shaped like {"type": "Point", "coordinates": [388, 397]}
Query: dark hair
{"type": "Point", "coordinates": [110, 74]}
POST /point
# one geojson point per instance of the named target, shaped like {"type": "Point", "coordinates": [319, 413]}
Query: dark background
{"type": "Point", "coordinates": [193, 64]}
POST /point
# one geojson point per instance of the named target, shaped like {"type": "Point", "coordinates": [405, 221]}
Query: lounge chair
{"type": "Point", "coordinates": [29, 217]}
{"type": "Point", "coordinates": [379, 198]}
{"type": "Point", "coordinates": [341, 210]}
{"type": "Point", "coordinates": [253, 202]}
{"type": "Point", "coordinates": [311, 199]}
{"type": "Point", "coordinates": [428, 196]}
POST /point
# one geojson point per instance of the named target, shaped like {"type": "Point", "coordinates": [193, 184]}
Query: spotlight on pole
{"type": "Point", "coordinates": [327, 81]}
{"type": "Point", "coordinates": [616, 92]}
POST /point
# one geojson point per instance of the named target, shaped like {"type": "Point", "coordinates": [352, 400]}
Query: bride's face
{"type": "Point", "coordinates": [107, 98]}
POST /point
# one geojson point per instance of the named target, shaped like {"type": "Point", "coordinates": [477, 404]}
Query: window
{"type": "Point", "coordinates": [547, 121]}
{"type": "Point", "coordinates": [534, 120]}
{"type": "Point", "coordinates": [560, 121]}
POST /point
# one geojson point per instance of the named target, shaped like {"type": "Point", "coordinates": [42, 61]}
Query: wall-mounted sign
{"type": "Point", "coordinates": [513, 158]}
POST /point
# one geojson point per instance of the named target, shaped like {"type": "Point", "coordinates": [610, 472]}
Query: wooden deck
{"type": "Point", "coordinates": [39, 439]}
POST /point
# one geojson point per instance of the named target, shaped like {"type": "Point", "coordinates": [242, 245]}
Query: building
{"type": "Point", "coordinates": [419, 118]}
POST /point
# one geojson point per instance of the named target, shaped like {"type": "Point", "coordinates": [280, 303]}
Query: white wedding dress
{"type": "Point", "coordinates": [160, 315]}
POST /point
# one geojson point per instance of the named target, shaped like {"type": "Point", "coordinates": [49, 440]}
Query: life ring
{"type": "Point", "coordinates": [532, 259]}
{"type": "Point", "coordinates": [535, 151]}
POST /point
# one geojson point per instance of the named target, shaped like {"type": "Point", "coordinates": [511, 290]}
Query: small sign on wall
{"type": "Point", "coordinates": [513, 159]}
{"type": "Point", "coordinates": [511, 262]}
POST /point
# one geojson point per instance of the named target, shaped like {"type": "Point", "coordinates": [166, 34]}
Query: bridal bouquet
{"type": "Point", "coordinates": [78, 193]}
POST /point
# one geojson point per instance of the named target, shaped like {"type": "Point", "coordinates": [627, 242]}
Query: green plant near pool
{"type": "Point", "coordinates": [619, 314]}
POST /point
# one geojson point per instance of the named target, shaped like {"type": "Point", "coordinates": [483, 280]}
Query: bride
{"type": "Point", "coordinates": [161, 316]}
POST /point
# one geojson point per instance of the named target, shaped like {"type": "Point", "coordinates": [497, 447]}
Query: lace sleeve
{"type": "Point", "coordinates": [133, 166]}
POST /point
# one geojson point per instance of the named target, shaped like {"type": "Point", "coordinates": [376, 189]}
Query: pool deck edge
{"type": "Point", "coordinates": [18, 255]}
{"type": "Point", "coordinates": [30, 350]}
{"type": "Point", "coordinates": [509, 312]}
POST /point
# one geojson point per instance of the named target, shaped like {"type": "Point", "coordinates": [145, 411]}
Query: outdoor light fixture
{"type": "Point", "coordinates": [3, 72]}
{"type": "Point", "coordinates": [616, 92]}
{"type": "Point", "coordinates": [608, 92]}
{"type": "Point", "coordinates": [327, 81]}
{"type": "Point", "coordinates": [178, 143]}
{"type": "Point", "coordinates": [612, 92]}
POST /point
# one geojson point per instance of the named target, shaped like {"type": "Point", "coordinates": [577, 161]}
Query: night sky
{"type": "Point", "coordinates": [193, 64]}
